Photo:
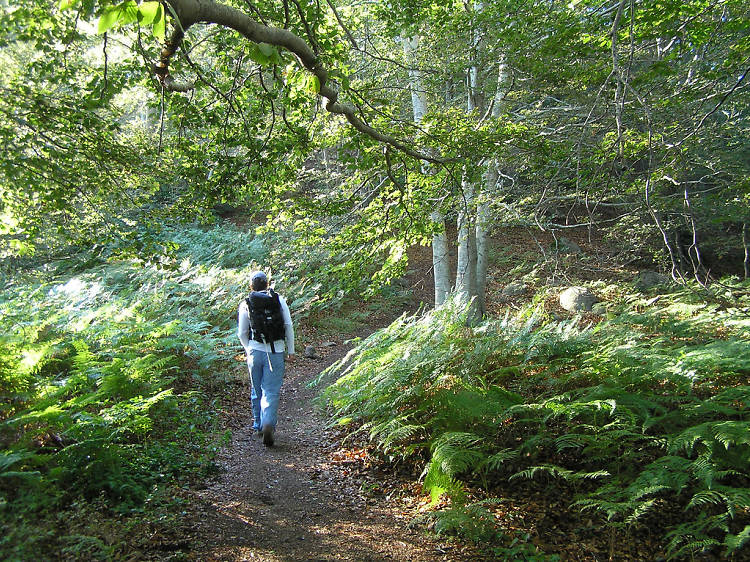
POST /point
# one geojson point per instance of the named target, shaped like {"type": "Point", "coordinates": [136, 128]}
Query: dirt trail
{"type": "Point", "coordinates": [305, 498]}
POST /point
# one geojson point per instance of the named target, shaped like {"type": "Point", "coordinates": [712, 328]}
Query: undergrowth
{"type": "Point", "coordinates": [641, 419]}
{"type": "Point", "coordinates": [109, 378]}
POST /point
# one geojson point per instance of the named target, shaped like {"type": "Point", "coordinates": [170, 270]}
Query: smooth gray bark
{"type": "Point", "coordinates": [440, 264]}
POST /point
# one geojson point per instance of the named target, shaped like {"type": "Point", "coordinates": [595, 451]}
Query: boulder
{"type": "Point", "coordinates": [577, 299]}
{"type": "Point", "coordinates": [565, 246]}
{"type": "Point", "coordinates": [599, 308]}
{"type": "Point", "coordinates": [514, 289]}
{"type": "Point", "coordinates": [649, 279]}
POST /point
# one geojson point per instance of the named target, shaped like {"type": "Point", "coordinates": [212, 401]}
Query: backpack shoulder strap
{"type": "Point", "coordinates": [275, 296]}
{"type": "Point", "coordinates": [249, 304]}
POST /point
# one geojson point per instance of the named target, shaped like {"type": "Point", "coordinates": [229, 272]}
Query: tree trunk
{"type": "Point", "coordinates": [440, 261]}
{"type": "Point", "coordinates": [482, 227]}
{"type": "Point", "coordinates": [466, 282]}
{"type": "Point", "coordinates": [471, 272]}
{"type": "Point", "coordinates": [465, 272]}
{"type": "Point", "coordinates": [440, 264]}
{"type": "Point", "coordinates": [491, 177]}
{"type": "Point", "coordinates": [746, 244]}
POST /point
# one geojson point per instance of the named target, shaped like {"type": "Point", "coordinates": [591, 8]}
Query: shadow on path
{"type": "Point", "coordinates": [291, 501]}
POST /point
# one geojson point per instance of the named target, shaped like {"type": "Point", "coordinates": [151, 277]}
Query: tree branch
{"type": "Point", "coordinates": [190, 12]}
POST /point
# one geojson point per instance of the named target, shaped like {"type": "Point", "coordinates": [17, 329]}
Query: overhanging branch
{"type": "Point", "coordinates": [190, 12]}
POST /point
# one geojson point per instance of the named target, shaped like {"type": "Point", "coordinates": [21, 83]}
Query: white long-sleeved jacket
{"type": "Point", "coordinates": [243, 330]}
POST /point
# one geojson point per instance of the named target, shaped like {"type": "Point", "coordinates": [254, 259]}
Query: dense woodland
{"type": "Point", "coordinates": [155, 153]}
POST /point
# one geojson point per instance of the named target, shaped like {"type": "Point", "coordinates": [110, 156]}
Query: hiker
{"type": "Point", "coordinates": [266, 332]}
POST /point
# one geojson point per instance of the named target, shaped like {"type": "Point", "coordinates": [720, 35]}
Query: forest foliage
{"type": "Point", "coordinates": [112, 377]}
{"type": "Point", "coordinates": [630, 117]}
{"type": "Point", "coordinates": [632, 418]}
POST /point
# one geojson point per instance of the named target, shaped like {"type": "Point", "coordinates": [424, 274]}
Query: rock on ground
{"type": "Point", "coordinates": [577, 299]}
{"type": "Point", "coordinates": [514, 289]}
{"type": "Point", "coordinates": [648, 279]}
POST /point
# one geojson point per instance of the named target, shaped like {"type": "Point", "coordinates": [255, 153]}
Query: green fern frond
{"type": "Point", "coordinates": [640, 511]}
{"type": "Point", "coordinates": [392, 434]}
{"type": "Point", "coordinates": [637, 493]}
{"type": "Point", "coordinates": [731, 498]}
{"type": "Point", "coordinates": [437, 482]}
{"type": "Point", "coordinates": [732, 433]}
{"type": "Point", "coordinates": [457, 452]}
{"type": "Point", "coordinates": [571, 441]}
{"type": "Point", "coordinates": [693, 536]}
{"type": "Point", "coordinates": [736, 542]}
{"type": "Point", "coordinates": [496, 461]}
{"type": "Point", "coordinates": [8, 459]}
{"type": "Point", "coordinates": [614, 510]}
{"type": "Point", "coordinates": [707, 497]}
{"type": "Point", "coordinates": [558, 472]}
{"type": "Point", "coordinates": [726, 433]}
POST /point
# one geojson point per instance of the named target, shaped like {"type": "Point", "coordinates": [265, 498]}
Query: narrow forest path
{"type": "Point", "coordinates": [306, 498]}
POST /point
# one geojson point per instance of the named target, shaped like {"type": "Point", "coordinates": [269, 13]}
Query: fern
{"type": "Point", "coordinates": [392, 434]}
{"type": "Point", "coordinates": [726, 433]}
{"type": "Point", "coordinates": [557, 472]}
{"type": "Point", "coordinates": [736, 542]}
{"type": "Point", "coordinates": [473, 522]}
{"type": "Point", "coordinates": [695, 536]}
{"type": "Point", "coordinates": [99, 368]}
{"type": "Point", "coordinates": [732, 498]}
{"type": "Point", "coordinates": [455, 453]}
{"type": "Point", "coordinates": [497, 461]}
{"type": "Point", "coordinates": [640, 397]}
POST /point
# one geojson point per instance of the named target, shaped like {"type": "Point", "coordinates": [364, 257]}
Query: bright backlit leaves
{"type": "Point", "coordinates": [149, 14]}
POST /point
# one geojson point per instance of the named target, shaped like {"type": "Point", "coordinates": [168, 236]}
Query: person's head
{"type": "Point", "coordinates": [258, 281]}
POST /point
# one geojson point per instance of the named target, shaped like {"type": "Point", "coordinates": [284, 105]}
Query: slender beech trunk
{"type": "Point", "coordinates": [440, 261]}
{"type": "Point", "coordinates": [491, 177]}
{"type": "Point", "coordinates": [465, 272]}
{"type": "Point", "coordinates": [471, 270]}
{"type": "Point", "coordinates": [440, 264]}
{"type": "Point", "coordinates": [466, 281]}
{"type": "Point", "coordinates": [746, 244]}
{"type": "Point", "coordinates": [482, 227]}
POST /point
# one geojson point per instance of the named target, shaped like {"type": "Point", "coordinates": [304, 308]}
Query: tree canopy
{"type": "Point", "coordinates": [629, 114]}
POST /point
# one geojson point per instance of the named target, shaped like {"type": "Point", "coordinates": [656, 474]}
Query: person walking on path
{"type": "Point", "coordinates": [264, 326]}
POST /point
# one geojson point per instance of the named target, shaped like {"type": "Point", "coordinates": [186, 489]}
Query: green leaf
{"type": "Point", "coordinates": [148, 12]}
{"type": "Point", "coordinates": [257, 55]}
{"type": "Point", "coordinates": [267, 49]}
{"type": "Point", "coordinates": [122, 14]}
{"type": "Point", "coordinates": [160, 24]}
{"type": "Point", "coordinates": [67, 4]}
{"type": "Point", "coordinates": [313, 84]}
{"type": "Point", "coordinates": [129, 12]}
{"type": "Point", "coordinates": [265, 54]}
{"type": "Point", "coordinates": [109, 18]}
{"type": "Point", "coordinates": [341, 77]}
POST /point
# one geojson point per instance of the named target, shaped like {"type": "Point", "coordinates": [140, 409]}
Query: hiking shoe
{"type": "Point", "coordinates": [267, 432]}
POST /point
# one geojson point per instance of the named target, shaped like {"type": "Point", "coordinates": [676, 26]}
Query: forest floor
{"type": "Point", "coordinates": [309, 497]}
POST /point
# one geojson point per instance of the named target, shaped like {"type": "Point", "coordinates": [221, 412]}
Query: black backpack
{"type": "Point", "coordinates": [266, 319]}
